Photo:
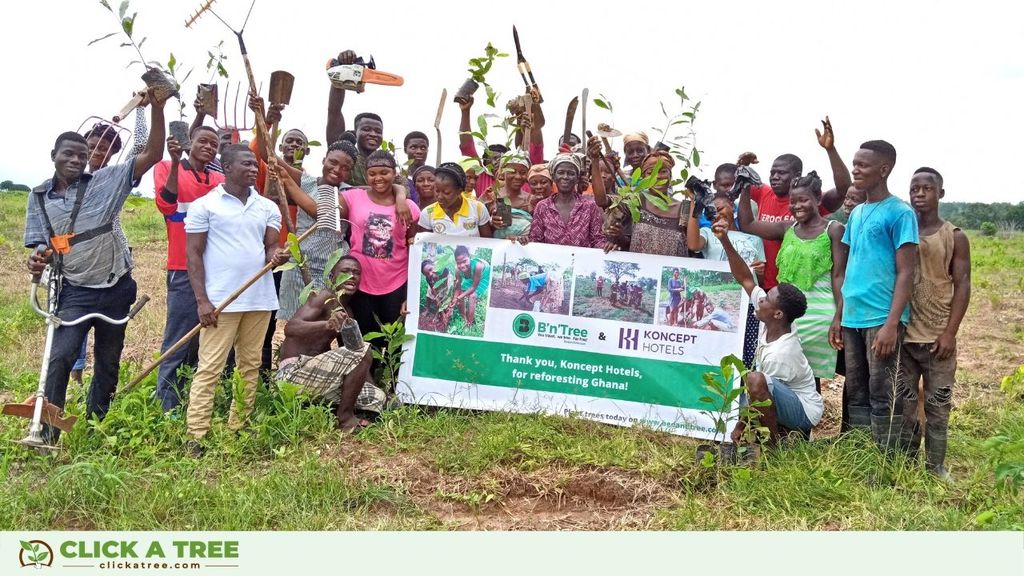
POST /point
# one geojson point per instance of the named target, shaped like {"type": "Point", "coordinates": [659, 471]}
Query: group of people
{"type": "Point", "coordinates": [894, 321]}
{"type": "Point", "coordinates": [622, 294]}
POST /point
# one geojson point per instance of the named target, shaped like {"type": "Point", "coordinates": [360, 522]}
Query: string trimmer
{"type": "Point", "coordinates": [36, 407]}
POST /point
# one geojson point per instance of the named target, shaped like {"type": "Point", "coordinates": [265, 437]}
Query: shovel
{"type": "Point", "coordinates": [154, 78]}
{"type": "Point", "coordinates": [280, 95]}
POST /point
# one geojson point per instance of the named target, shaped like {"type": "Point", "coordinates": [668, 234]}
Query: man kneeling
{"type": "Point", "coordinates": [782, 374]}
{"type": "Point", "coordinates": [338, 376]}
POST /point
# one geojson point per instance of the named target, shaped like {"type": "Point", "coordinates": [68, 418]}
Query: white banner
{"type": "Point", "coordinates": [621, 338]}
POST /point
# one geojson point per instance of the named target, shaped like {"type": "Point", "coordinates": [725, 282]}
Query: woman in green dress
{"type": "Point", "coordinates": [812, 258]}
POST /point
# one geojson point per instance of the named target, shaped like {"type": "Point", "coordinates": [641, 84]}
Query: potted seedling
{"type": "Point", "coordinates": [722, 394]}
{"type": "Point", "coordinates": [478, 69]}
{"type": "Point", "coordinates": [207, 93]}
{"type": "Point", "coordinates": [628, 198]}
{"type": "Point", "coordinates": [154, 76]}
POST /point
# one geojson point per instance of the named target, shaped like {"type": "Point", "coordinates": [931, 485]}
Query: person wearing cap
{"type": "Point", "coordinates": [567, 217]}
{"type": "Point", "coordinates": [453, 213]}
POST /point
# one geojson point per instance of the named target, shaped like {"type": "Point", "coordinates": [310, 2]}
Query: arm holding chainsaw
{"type": "Point", "coordinates": [154, 150]}
{"type": "Point", "coordinates": [335, 101]}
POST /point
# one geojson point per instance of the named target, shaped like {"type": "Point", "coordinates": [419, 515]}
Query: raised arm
{"type": "Point", "coordinates": [466, 144]}
{"type": "Point", "coordinates": [765, 230]}
{"type": "Point", "coordinates": [694, 241]}
{"type": "Point", "coordinates": [737, 266]}
{"type": "Point", "coordinates": [335, 101]}
{"type": "Point", "coordinates": [833, 199]}
{"type": "Point", "coordinates": [596, 181]}
{"type": "Point", "coordinates": [960, 270]}
{"type": "Point", "coordinates": [154, 149]}
{"type": "Point", "coordinates": [165, 180]}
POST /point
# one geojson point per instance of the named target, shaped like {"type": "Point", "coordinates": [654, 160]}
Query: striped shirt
{"type": "Point", "coordinates": [98, 262]}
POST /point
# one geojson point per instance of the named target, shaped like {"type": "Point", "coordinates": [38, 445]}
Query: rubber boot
{"type": "Point", "coordinates": [859, 418]}
{"type": "Point", "coordinates": [885, 430]}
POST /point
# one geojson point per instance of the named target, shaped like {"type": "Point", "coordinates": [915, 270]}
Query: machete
{"type": "Point", "coordinates": [437, 123]}
{"type": "Point", "coordinates": [585, 97]}
{"type": "Point", "coordinates": [570, 115]}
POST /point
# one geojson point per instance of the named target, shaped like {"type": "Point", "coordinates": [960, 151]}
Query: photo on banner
{"type": "Point", "coordinates": [616, 290]}
{"type": "Point", "coordinates": [701, 299]}
{"type": "Point", "coordinates": [525, 352]}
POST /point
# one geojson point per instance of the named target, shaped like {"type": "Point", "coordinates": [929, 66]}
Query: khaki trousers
{"type": "Point", "coordinates": [244, 331]}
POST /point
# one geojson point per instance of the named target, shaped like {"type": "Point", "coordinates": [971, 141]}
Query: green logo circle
{"type": "Point", "coordinates": [524, 325]}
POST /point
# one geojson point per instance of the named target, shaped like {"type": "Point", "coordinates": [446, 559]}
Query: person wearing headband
{"type": "Point", "coordinates": [635, 147]}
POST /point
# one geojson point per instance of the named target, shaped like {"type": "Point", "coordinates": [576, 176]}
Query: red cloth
{"type": "Point", "coordinates": [192, 185]}
{"type": "Point", "coordinates": [584, 229]}
{"type": "Point", "coordinates": [772, 208]}
{"type": "Point", "coordinates": [485, 181]}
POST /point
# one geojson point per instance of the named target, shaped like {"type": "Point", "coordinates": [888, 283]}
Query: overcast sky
{"type": "Point", "coordinates": [942, 81]}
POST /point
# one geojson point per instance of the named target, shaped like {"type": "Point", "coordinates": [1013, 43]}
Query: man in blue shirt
{"type": "Point", "coordinates": [882, 236]}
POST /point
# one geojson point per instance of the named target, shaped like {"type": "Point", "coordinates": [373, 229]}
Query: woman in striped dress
{"type": "Point", "coordinates": [318, 248]}
{"type": "Point", "coordinates": [812, 258]}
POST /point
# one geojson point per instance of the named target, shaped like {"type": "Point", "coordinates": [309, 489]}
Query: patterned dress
{"type": "Point", "coordinates": [807, 264]}
{"type": "Point", "coordinates": [316, 249]}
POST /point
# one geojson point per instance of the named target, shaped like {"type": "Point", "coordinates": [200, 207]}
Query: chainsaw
{"type": "Point", "coordinates": [357, 75]}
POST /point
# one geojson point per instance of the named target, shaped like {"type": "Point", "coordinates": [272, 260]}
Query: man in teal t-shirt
{"type": "Point", "coordinates": [882, 236]}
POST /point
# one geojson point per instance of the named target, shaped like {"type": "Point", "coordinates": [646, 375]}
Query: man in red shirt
{"type": "Point", "coordinates": [773, 200]}
{"type": "Point", "coordinates": [177, 183]}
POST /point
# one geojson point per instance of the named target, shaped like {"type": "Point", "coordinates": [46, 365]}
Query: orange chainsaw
{"type": "Point", "coordinates": [357, 75]}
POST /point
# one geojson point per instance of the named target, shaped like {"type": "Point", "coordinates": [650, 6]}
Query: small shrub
{"type": "Point", "coordinates": [988, 229]}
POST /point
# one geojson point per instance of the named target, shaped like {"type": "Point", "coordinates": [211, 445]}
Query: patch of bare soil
{"type": "Point", "coordinates": [552, 498]}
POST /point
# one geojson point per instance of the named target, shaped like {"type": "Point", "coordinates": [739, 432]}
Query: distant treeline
{"type": "Point", "coordinates": [971, 215]}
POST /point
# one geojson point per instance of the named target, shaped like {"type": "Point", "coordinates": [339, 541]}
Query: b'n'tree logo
{"type": "Point", "coordinates": [35, 553]}
{"type": "Point", "coordinates": [524, 325]}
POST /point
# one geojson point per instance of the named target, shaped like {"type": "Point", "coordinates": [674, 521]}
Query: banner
{"type": "Point", "coordinates": [621, 338]}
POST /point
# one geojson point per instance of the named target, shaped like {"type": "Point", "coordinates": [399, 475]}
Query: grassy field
{"type": "Point", "coordinates": [588, 304]}
{"type": "Point", "coordinates": [441, 469]}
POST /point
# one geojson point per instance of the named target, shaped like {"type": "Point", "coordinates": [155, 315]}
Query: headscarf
{"type": "Point", "coordinates": [454, 171]}
{"type": "Point", "coordinates": [422, 168]}
{"type": "Point", "coordinates": [519, 159]}
{"type": "Point", "coordinates": [563, 158]}
{"type": "Point", "coordinates": [636, 137]}
{"type": "Point", "coordinates": [667, 160]}
{"type": "Point", "coordinates": [538, 170]}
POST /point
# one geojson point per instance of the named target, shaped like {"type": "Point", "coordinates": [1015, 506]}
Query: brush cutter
{"type": "Point", "coordinates": [36, 408]}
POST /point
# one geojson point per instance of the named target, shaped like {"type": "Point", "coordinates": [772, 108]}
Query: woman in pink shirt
{"type": "Point", "coordinates": [380, 241]}
{"type": "Point", "coordinates": [568, 217]}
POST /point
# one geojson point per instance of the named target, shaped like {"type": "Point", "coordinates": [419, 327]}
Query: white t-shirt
{"type": "Point", "coordinates": [234, 246]}
{"type": "Point", "coordinates": [784, 360]}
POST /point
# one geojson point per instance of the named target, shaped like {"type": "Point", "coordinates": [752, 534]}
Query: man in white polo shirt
{"type": "Point", "coordinates": [231, 232]}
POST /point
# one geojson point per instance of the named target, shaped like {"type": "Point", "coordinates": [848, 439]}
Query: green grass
{"type": "Point", "coordinates": [426, 469]}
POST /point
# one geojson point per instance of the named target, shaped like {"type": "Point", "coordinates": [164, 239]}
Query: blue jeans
{"type": "Point", "coordinates": [74, 303]}
{"type": "Point", "coordinates": [789, 412]}
{"type": "Point", "coordinates": [80, 362]}
{"type": "Point", "coordinates": [182, 316]}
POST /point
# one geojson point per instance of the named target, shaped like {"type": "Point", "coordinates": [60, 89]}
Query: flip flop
{"type": "Point", "coordinates": [361, 425]}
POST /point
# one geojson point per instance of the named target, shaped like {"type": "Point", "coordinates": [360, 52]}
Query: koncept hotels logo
{"type": "Point", "coordinates": [35, 553]}
{"type": "Point", "coordinates": [629, 338]}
